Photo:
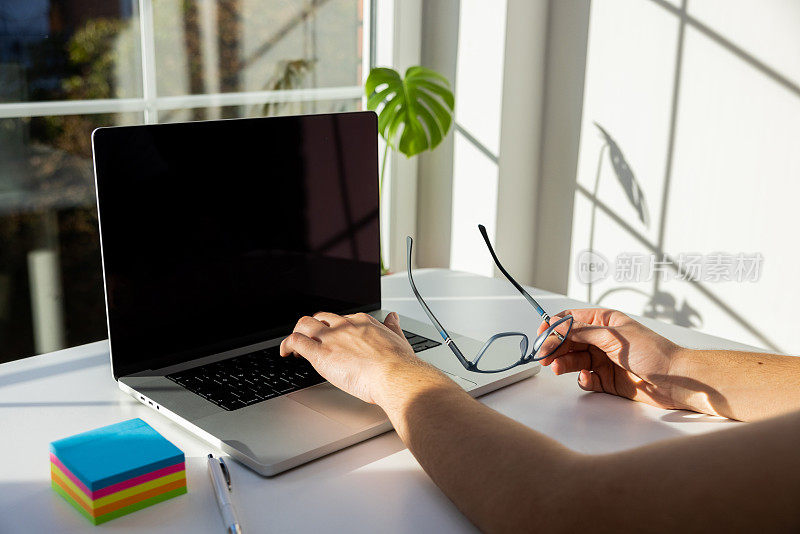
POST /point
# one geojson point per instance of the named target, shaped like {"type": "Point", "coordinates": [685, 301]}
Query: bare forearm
{"type": "Point", "coordinates": [502, 475]}
{"type": "Point", "coordinates": [739, 385]}
{"type": "Point", "coordinates": [506, 477]}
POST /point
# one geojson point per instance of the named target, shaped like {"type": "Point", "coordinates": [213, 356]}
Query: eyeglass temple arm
{"type": "Point", "coordinates": [525, 294]}
{"type": "Point", "coordinates": [442, 332]}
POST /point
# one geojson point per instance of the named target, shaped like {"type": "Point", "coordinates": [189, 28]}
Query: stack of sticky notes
{"type": "Point", "coordinates": [117, 469]}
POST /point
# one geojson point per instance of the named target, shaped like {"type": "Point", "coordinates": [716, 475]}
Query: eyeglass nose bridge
{"type": "Point", "coordinates": [523, 345]}
{"type": "Point", "coordinates": [537, 343]}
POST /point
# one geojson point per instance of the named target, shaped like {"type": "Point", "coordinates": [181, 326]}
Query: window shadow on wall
{"type": "Point", "coordinates": [662, 304]}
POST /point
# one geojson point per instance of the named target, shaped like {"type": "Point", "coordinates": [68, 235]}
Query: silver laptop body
{"type": "Point", "coordinates": [287, 430]}
{"type": "Point", "coordinates": [290, 430]}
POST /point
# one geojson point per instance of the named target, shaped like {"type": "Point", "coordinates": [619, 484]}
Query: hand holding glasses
{"type": "Point", "coordinates": [505, 350]}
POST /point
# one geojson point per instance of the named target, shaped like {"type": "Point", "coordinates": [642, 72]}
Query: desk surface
{"type": "Point", "coordinates": [373, 486]}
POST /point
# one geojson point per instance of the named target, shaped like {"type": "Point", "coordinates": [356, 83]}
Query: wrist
{"type": "Point", "coordinates": [682, 372]}
{"type": "Point", "coordinates": [400, 383]}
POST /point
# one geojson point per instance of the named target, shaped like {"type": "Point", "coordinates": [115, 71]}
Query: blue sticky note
{"type": "Point", "coordinates": [115, 453]}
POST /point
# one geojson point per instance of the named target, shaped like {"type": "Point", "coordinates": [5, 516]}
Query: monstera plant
{"type": "Point", "coordinates": [415, 112]}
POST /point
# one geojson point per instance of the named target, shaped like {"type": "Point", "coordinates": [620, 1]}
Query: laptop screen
{"type": "Point", "coordinates": [220, 234]}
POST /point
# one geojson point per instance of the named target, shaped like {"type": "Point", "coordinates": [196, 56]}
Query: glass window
{"type": "Point", "coordinates": [69, 66]}
{"type": "Point", "coordinates": [69, 50]}
{"type": "Point", "coordinates": [51, 284]}
{"type": "Point", "coordinates": [256, 45]}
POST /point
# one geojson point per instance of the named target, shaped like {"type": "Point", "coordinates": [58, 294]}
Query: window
{"type": "Point", "coordinates": [69, 66]}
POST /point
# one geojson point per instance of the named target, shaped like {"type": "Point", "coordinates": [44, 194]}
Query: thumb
{"type": "Point", "coordinates": [392, 322]}
{"type": "Point", "coordinates": [589, 381]}
{"type": "Point", "coordinates": [602, 337]}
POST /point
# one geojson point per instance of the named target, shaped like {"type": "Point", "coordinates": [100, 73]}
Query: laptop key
{"type": "Point", "coordinates": [422, 347]}
{"type": "Point", "coordinates": [270, 380]}
{"type": "Point", "coordinates": [267, 393]}
{"type": "Point", "coordinates": [306, 382]}
{"type": "Point", "coordinates": [245, 396]}
{"type": "Point", "coordinates": [286, 387]}
{"type": "Point", "coordinates": [231, 404]}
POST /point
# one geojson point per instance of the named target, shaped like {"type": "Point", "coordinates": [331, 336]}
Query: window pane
{"type": "Point", "coordinates": [259, 110]}
{"type": "Point", "coordinates": [225, 46]}
{"type": "Point", "coordinates": [51, 284]}
{"type": "Point", "coordinates": [69, 49]}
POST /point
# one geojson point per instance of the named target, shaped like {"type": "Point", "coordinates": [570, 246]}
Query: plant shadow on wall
{"type": "Point", "coordinates": [660, 304]}
{"type": "Point", "coordinates": [415, 112]}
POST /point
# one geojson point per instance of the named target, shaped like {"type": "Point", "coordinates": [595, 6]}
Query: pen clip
{"type": "Point", "coordinates": [225, 473]}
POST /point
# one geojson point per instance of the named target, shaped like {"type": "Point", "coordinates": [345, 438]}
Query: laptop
{"type": "Point", "coordinates": [216, 237]}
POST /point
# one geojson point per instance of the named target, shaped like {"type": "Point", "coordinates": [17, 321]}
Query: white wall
{"type": "Point", "coordinates": [518, 71]}
{"type": "Point", "coordinates": [398, 45]}
{"type": "Point", "coordinates": [702, 98]}
{"type": "Point", "coordinates": [479, 91]}
{"type": "Point", "coordinates": [703, 101]}
{"type": "Point", "coordinates": [487, 171]}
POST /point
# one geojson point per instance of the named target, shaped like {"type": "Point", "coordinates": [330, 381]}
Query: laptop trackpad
{"type": "Point", "coordinates": [339, 406]}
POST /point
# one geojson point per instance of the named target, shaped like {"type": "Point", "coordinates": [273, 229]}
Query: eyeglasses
{"type": "Point", "coordinates": [506, 350]}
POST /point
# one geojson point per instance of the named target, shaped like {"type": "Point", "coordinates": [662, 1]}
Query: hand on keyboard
{"type": "Point", "coordinates": [359, 354]}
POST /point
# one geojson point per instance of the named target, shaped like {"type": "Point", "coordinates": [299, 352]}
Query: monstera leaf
{"type": "Point", "coordinates": [415, 112]}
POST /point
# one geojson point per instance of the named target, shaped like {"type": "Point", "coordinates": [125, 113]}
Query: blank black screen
{"type": "Point", "coordinates": [222, 233]}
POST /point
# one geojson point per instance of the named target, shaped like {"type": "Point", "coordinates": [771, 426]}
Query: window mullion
{"type": "Point", "coordinates": [70, 107]}
{"type": "Point", "coordinates": [149, 87]}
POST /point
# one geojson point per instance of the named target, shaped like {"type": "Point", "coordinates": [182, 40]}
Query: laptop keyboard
{"type": "Point", "coordinates": [419, 343]}
{"type": "Point", "coordinates": [261, 375]}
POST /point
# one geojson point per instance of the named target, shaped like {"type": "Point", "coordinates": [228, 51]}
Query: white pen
{"type": "Point", "coordinates": [221, 480]}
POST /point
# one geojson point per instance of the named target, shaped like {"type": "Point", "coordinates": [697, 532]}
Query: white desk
{"type": "Point", "coordinates": [375, 486]}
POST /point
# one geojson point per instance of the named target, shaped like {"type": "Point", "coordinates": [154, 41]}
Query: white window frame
{"type": "Point", "coordinates": [398, 40]}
